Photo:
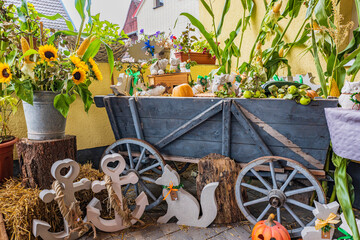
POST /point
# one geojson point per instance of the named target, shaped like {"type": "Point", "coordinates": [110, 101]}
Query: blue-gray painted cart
{"type": "Point", "coordinates": [276, 142]}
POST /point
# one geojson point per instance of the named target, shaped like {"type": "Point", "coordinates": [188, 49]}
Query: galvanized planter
{"type": "Point", "coordinates": [43, 121]}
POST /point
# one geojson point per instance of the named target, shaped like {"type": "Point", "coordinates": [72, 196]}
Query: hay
{"type": "Point", "coordinates": [21, 205]}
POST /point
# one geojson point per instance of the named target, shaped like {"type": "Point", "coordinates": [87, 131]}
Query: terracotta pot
{"type": "Point", "coordinates": [200, 58]}
{"type": "Point", "coordinates": [6, 159]}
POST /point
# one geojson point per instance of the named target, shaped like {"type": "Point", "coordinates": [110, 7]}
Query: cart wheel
{"type": "Point", "coordinates": [278, 195]}
{"type": "Point", "coordinates": [144, 160]}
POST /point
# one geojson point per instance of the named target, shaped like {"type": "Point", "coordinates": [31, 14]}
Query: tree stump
{"type": "Point", "coordinates": [217, 168]}
{"type": "Point", "coordinates": [37, 157]}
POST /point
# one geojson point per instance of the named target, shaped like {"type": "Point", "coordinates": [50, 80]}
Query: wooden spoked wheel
{"type": "Point", "coordinates": [148, 164]}
{"type": "Point", "coordinates": [281, 186]}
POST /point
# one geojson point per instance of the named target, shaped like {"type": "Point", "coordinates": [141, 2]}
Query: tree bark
{"type": "Point", "coordinates": [3, 234]}
{"type": "Point", "coordinates": [37, 157]}
{"type": "Point", "coordinates": [217, 168]}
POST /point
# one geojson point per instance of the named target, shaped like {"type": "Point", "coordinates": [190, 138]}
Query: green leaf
{"type": "Point", "coordinates": [92, 50]}
{"type": "Point", "coordinates": [88, 10]}
{"type": "Point", "coordinates": [320, 13]}
{"type": "Point", "coordinates": [10, 58]}
{"type": "Point", "coordinates": [24, 91]}
{"type": "Point", "coordinates": [355, 67]}
{"type": "Point", "coordinates": [58, 16]}
{"type": "Point", "coordinates": [310, 10]}
{"type": "Point", "coordinates": [80, 6]}
{"type": "Point", "coordinates": [224, 12]}
{"type": "Point", "coordinates": [85, 95]}
{"type": "Point", "coordinates": [194, 21]}
{"type": "Point", "coordinates": [58, 33]}
{"type": "Point", "coordinates": [110, 57]}
{"type": "Point", "coordinates": [207, 7]}
{"type": "Point", "coordinates": [62, 103]}
{"type": "Point", "coordinates": [28, 53]}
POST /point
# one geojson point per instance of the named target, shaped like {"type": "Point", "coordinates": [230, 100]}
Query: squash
{"type": "Point", "coordinates": [269, 230]}
{"type": "Point", "coordinates": [311, 94]}
{"type": "Point", "coordinates": [183, 90]}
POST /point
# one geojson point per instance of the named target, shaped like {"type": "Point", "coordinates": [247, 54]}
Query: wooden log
{"type": "Point", "coordinates": [37, 157]}
{"type": "Point", "coordinates": [217, 168]}
{"type": "Point", "coordinates": [3, 234]}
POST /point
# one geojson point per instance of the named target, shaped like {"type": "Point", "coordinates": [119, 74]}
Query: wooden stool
{"type": "Point", "coordinates": [171, 80]}
{"type": "Point", "coordinates": [37, 157]}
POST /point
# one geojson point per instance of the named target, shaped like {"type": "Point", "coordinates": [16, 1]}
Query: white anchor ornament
{"type": "Point", "coordinates": [41, 228]}
{"type": "Point", "coordinates": [322, 212]}
{"type": "Point", "coordinates": [183, 205]}
{"type": "Point", "coordinates": [94, 207]}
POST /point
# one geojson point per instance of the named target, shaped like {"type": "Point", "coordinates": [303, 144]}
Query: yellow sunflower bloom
{"type": "Point", "coordinates": [75, 60]}
{"type": "Point", "coordinates": [5, 73]}
{"type": "Point", "coordinates": [48, 53]}
{"type": "Point", "coordinates": [78, 63]}
{"type": "Point", "coordinates": [96, 69]}
{"type": "Point", "coordinates": [79, 76]}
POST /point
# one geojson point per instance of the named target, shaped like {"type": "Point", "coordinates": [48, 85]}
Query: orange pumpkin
{"type": "Point", "coordinates": [183, 90]}
{"type": "Point", "coordinates": [311, 94]}
{"type": "Point", "coordinates": [269, 230]}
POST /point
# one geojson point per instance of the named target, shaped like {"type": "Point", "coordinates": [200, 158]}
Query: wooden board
{"type": "Point", "coordinates": [170, 80]}
{"type": "Point", "coordinates": [37, 157]}
{"type": "Point", "coordinates": [3, 234]}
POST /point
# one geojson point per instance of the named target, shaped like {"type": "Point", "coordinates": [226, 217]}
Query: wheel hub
{"type": "Point", "coordinates": [276, 198]}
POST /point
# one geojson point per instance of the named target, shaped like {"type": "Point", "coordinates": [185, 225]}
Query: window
{"type": "Point", "coordinates": [158, 3]}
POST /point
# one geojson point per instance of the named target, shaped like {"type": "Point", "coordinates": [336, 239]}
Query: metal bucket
{"type": "Point", "coordinates": [43, 121]}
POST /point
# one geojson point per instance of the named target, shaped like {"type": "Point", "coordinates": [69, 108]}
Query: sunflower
{"type": "Point", "coordinates": [79, 76]}
{"type": "Point", "coordinates": [5, 73]}
{"type": "Point", "coordinates": [78, 63]}
{"type": "Point", "coordinates": [96, 69]}
{"type": "Point", "coordinates": [48, 53]}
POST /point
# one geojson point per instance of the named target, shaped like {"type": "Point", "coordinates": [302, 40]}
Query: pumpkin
{"type": "Point", "coordinates": [269, 230]}
{"type": "Point", "coordinates": [183, 90]}
{"type": "Point", "coordinates": [311, 94]}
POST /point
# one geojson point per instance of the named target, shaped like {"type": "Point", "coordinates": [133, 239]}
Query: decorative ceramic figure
{"type": "Point", "coordinates": [220, 80]}
{"type": "Point", "coordinates": [183, 67]}
{"type": "Point", "coordinates": [347, 91]}
{"type": "Point", "coordinates": [159, 67]}
{"type": "Point", "coordinates": [175, 65]}
{"type": "Point", "coordinates": [63, 192]}
{"type": "Point", "coordinates": [113, 182]}
{"type": "Point", "coordinates": [156, 91]}
{"type": "Point", "coordinates": [197, 89]}
{"type": "Point", "coordinates": [326, 215]}
{"type": "Point", "coordinates": [140, 50]}
{"type": "Point", "coordinates": [183, 205]}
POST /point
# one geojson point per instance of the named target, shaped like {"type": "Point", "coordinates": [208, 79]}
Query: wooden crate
{"type": "Point", "coordinates": [171, 80]}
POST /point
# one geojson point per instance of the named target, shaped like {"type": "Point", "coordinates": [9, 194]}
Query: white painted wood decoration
{"type": "Point", "coordinates": [323, 212]}
{"type": "Point", "coordinates": [344, 225]}
{"type": "Point", "coordinates": [183, 205]}
{"type": "Point", "coordinates": [41, 228]}
{"type": "Point", "coordinates": [94, 207]}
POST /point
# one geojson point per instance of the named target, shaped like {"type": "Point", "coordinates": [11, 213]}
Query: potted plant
{"type": "Point", "coordinates": [189, 47]}
{"type": "Point", "coordinates": [53, 75]}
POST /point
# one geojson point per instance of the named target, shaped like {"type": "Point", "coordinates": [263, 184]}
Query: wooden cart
{"type": "Point", "coordinates": [277, 142]}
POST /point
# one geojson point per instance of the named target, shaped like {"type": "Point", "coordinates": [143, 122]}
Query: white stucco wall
{"type": "Point", "coordinates": [163, 18]}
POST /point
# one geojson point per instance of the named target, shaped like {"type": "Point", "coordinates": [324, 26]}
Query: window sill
{"type": "Point", "coordinates": [158, 6]}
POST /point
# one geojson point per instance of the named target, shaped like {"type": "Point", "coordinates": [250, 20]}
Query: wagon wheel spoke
{"type": "Point", "coordinates": [264, 212]}
{"type": "Point", "coordinates": [131, 160]}
{"type": "Point", "coordinates": [136, 186]}
{"type": "Point", "coordinates": [286, 183]}
{"type": "Point", "coordinates": [149, 168]}
{"type": "Point", "coordinates": [261, 190]}
{"type": "Point", "coordinates": [278, 214]}
{"type": "Point", "coordinates": [146, 189]}
{"type": "Point", "coordinates": [273, 176]}
{"type": "Point", "coordinates": [157, 171]}
{"type": "Point", "coordinates": [297, 219]}
{"type": "Point", "coordinates": [300, 204]}
{"type": "Point", "coordinates": [261, 179]}
{"type": "Point", "coordinates": [126, 189]}
{"type": "Point", "coordinates": [259, 200]}
{"type": "Point", "coordinates": [140, 159]}
{"type": "Point", "coordinates": [298, 191]}
{"type": "Point", "coordinates": [144, 178]}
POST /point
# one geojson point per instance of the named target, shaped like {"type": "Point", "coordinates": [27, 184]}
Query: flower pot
{"type": "Point", "coordinates": [200, 58]}
{"type": "Point", "coordinates": [43, 121]}
{"type": "Point", "coordinates": [6, 159]}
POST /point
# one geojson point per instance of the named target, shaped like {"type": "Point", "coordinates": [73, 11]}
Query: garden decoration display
{"type": "Point", "coordinates": [159, 67]}
{"type": "Point", "coordinates": [326, 218]}
{"type": "Point", "coordinates": [175, 65]}
{"type": "Point", "coordinates": [144, 50]}
{"type": "Point", "coordinates": [152, 91]}
{"type": "Point", "coordinates": [345, 229]}
{"type": "Point", "coordinates": [62, 192]}
{"type": "Point", "coordinates": [204, 82]}
{"type": "Point", "coordinates": [123, 85]}
{"type": "Point", "coordinates": [350, 97]}
{"type": "Point", "coordinates": [269, 230]}
{"type": "Point", "coordinates": [183, 90]}
{"type": "Point", "coordinates": [183, 205]}
{"type": "Point", "coordinates": [223, 83]}
{"type": "Point", "coordinates": [124, 218]}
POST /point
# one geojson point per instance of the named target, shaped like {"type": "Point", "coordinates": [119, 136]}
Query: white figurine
{"type": "Point", "coordinates": [175, 65]}
{"type": "Point", "coordinates": [346, 92]}
{"type": "Point", "coordinates": [183, 205]}
{"type": "Point", "coordinates": [156, 91]}
{"type": "Point", "coordinates": [159, 67]}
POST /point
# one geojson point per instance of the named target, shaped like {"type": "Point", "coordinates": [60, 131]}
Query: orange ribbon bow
{"type": "Point", "coordinates": [319, 223]}
{"type": "Point", "coordinates": [170, 188]}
